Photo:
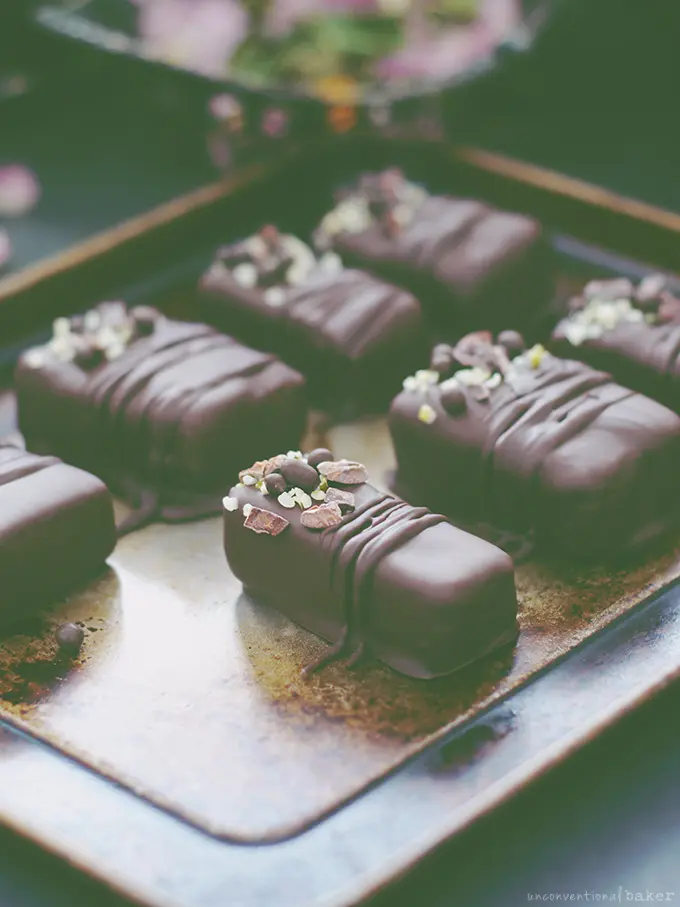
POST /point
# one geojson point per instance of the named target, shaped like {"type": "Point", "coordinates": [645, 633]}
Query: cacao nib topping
{"type": "Point", "coordinates": [344, 499]}
{"type": "Point", "coordinates": [322, 516]}
{"type": "Point", "coordinates": [344, 472]}
{"type": "Point", "coordinates": [264, 522]}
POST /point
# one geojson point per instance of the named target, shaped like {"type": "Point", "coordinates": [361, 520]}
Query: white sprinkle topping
{"type": "Point", "coordinates": [300, 497]}
{"type": "Point", "coordinates": [218, 269]}
{"type": "Point", "coordinates": [256, 247]}
{"type": "Point", "coordinates": [249, 480]}
{"type": "Point", "coordinates": [304, 260]}
{"type": "Point", "coordinates": [598, 316]}
{"type": "Point", "coordinates": [247, 510]}
{"type": "Point", "coordinates": [331, 263]}
{"type": "Point", "coordinates": [35, 358]}
{"type": "Point", "coordinates": [245, 275]}
{"type": "Point", "coordinates": [448, 384]}
{"type": "Point", "coordinates": [427, 376]}
{"type": "Point", "coordinates": [472, 376]}
{"type": "Point", "coordinates": [285, 500]}
{"type": "Point", "coordinates": [275, 297]}
{"type": "Point", "coordinates": [63, 349]}
{"type": "Point", "coordinates": [494, 381]}
{"type": "Point", "coordinates": [61, 327]}
{"type": "Point", "coordinates": [230, 504]}
{"type": "Point", "coordinates": [319, 494]}
{"type": "Point", "coordinates": [402, 214]}
{"type": "Point", "coordinates": [350, 216]}
{"type": "Point", "coordinates": [427, 414]}
{"type": "Point", "coordinates": [423, 379]}
{"type": "Point", "coordinates": [114, 351]}
{"type": "Point", "coordinates": [295, 454]}
{"type": "Point", "coordinates": [92, 321]}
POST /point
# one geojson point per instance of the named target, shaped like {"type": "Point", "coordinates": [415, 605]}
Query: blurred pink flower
{"type": "Point", "coordinates": [283, 15]}
{"type": "Point", "coordinates": [500, 16]}
{"type": "Point", "coordinates": [19, 190]}
{"type": "Point", "coordinates": [225, 107]}
{"type": "Point", "coordinates": [444, 54]}
{"type": "Point", "coordinates": [200, 35]}
{"type": "Point", "coordinates": [5, 248]}
{"type": "Point", "coordinates": [274, 122]}
{"type": "Point", "coordinates": [439, 57]}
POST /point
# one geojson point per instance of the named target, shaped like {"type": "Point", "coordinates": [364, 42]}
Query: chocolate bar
{"type": "Point", "coordinates": [469, 264]}
{"type": "Point", "coordinates": [162, 410]}
{"type": "Point", "coordinates": [56, 529]}
{"type": "Point", "coordinates": [530, 443]}
{"type": "Point", "coordinates": [632, 332]}
{"type": "Point", "coordinates": [348, 332]}
{"type": "Point", "coordinates": [310, 536]}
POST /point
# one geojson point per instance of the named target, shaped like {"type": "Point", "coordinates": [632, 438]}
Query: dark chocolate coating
{"type": "Point", "coordinates": [56, 530]}
{"type": "Point", "coordinates": [643, 356]}
{"type": "Point", "coordinates": [589, 466]}
{"type": "Point", "coordinates": [179, 410]}
{"type": "Point", "coordinates": [421, 595]}
{"type": "Point", "coordinates": [349, 333]}
{"type": "Point", "coordinates": [470, 265]}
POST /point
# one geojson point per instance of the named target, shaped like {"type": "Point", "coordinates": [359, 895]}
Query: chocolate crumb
{"type": "Point", "coordinates": [322, 516]}
{"type": "Point", "coordinates": [344, 499]}
{"type": "Point", "coordinates": [70, 638]}
{"type": "Point", "coordinates": [264, 522]}
{"type": "Point", "coordinates": [344, 472]}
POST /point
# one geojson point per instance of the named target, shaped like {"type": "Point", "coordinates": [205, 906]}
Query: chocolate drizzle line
{"type": "Point", "coordinates": [571, 404]}
{"type": "Point", "coordinates": [157, 427]}
{"type": "Point", "coordinates": [306, 307]}
{"type": "Point", "coordinates": [432, 236]}
{"type": "Point", "coordinates": [358, 545]}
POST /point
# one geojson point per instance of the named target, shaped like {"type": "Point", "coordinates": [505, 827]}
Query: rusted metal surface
{"type": "Point", "coordinates": [191, 695]}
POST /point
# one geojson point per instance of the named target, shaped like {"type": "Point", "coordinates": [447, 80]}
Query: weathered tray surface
{"type": "Point", "coordinates": [191, 695]}
{"type": "Point", "coordinates": [188, 698]}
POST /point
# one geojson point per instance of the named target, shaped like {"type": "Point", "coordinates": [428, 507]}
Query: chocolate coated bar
{"type": "Point", "coordinates": [56, 529]}
{"type": "Point", "coordinates": [364, 570]}
{"type": "Point", "coordinates": [529, 442]}
{"type": "Point", "coordinates": [154, 405]}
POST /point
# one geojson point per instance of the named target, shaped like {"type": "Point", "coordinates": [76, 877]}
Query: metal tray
{"type": "Point", "coordinates": [183, 760]}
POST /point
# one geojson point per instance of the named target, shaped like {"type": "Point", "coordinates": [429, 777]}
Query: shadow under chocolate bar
{"type": "Point", "coordinates": [366, 571]}
{"type": "Point", "coordinates": [537, 444]}
{"type": "Point", "coordinates": [162, 410]}
{"type": "Point", "coordinates": [470, 265]}
{"type": "Point", "coordinates": [56, 530]}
